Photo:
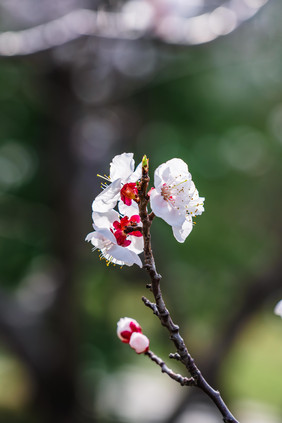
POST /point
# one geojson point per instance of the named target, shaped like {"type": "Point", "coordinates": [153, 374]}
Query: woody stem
{"type": "Point", "coordinates": [161, 310]}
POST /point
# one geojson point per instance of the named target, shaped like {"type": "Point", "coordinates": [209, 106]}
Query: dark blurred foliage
{"type": "Point", "coordinates": [65, 113]}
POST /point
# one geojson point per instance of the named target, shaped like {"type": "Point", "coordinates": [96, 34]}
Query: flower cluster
{"type": "Point", "coordinates": [130, 332]}
{"type": "Point", "coordinates": [174, 198]}
{"type": "Point", "coordinates": [111, 236]}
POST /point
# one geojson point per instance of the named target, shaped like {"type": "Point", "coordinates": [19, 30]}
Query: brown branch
{"type": "Point", "coordinates": [152, 215]}
{"type": "Point", "coordinates": [163, 313]}
{"type": "Point", "coordinates": [175, 376]}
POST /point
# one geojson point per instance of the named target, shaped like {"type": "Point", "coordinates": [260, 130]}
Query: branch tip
{"type": "Point", "coordinates": [145, 162]}
{"type": "Point", "coordinates": [175, 356]}
{"type": "Point", "coordinates": [151, 305]}
{"type": "Point", "coordinates": [151, 216]}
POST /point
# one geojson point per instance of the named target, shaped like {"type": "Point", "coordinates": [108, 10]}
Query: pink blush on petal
{"type": "Point", "coordinates": [134, 327]}
{"type": "Point", "coordinates": [126, 334]}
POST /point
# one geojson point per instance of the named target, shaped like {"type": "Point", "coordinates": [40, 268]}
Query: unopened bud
{"type": "Point", "coordinates": [139, 342]}
{"type": "Point", "coordinates": [125, 328]}
{"type": "Point", "coordinates": [145, 161]}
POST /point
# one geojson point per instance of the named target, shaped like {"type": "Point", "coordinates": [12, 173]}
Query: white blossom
{"type": "Point", "coordinates": [175, 198]}
{"type": "Point", "coordinates": [115, 245]}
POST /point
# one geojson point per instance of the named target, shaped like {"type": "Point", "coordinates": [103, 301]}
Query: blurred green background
{"type": "Point", "coordinates": [65, 112]}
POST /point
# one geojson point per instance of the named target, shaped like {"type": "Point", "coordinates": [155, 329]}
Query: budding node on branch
{"type": "Point", "coordinates": [145, 163]}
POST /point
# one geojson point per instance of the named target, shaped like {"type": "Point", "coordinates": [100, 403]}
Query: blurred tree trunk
{"type": "Point", "coordinates": [58, 395]}
{"type": "Point", "coordinates": [47, 345]}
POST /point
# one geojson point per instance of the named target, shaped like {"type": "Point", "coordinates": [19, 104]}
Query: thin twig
{"type": "Point", "coordinates": [175, 376]}
{"type": "Point", "coordinates": [175, 356]}
{"type": "Point", "coordinates": [163, 313]}
{"type": "Point", "coordinates": [152, 215]}
{"type": "Point", "coordinates": [151, 305]}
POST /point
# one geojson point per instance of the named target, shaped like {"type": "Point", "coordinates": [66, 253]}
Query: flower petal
{"type": "Point", "coordinates": [128, 210]}
{"type": "Point", "coordinates": [137, 244]}
{"type": "Point", "coordinates": [196, 204]}
{"type": "Point", "coordinates": [164, 210]}
{"type": "Point", "coordinates": [104, 220]}
{"type": "Point", "coordinates": [139, 342]}
{"type": "Point", "coordinates": [124, 255]}
{"type": "Point", "coordinates": [108, 198]}
{"type": "Point", "coordinates": [172, 169]}
{"type": "Point", "coordinates": [136, 174]}
{"type": "Point", "coordinates": [125, 324]}
{"type": "Point", "coordinates": [122, 166]}
{"type": "Point", "coordinates": [181, 232]}
{"type": "Point", "coordinates": [101, 238]}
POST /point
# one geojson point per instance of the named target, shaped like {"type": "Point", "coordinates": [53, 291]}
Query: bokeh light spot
{"type": "Point", "coordinates": [17, 164]}
{"type": "Point", "coordinates": [245, 149]}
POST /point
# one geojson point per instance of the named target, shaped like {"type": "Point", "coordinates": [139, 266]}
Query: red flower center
{"type": "Point", "coordinates": [120, 226]}
{"type": "Point", "coordinates": [128, 193]}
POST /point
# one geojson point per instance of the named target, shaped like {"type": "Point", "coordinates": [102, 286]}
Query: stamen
{"type": "Point", "coordinates": [107, 178]}
{"type": "Point", "coordinates": [182, 182]}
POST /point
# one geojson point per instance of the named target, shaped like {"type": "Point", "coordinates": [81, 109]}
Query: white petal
{"type": "Point", "coordinates": [89, 236]}
{"type": "Point", "coordinates": [122, 166]}
{"type": "Point", "coordinates": [101, 238]}
{"type": "Point", "coordinates": [136, 174]}
{"type": "Point", "coordinates": [164, 210]}
{"type": "Point", "coordinates": [108, 198]}
{"type": "Point", "coordinates": [124, 255]}
{"type": "Point", "coordinates": [177, 166]}
{"type": "Point", "coordinates": [175, 169]}
{"type": "Point", "coordinates": [278, 309]}
{"type": "Point", "coordinates": [137, 244]}
{"type": "Point", "coordinates": [193, 192]}
{"type": "Point", "coordinates": [107, 234]}
{"type": "Point", "coordinates": [181, 232]}
{"type": "Point", "coordinates": [196, 208]}
{"type": "Point", "coordinates": [160, 176]}
{"type": "Point", "coordinates": [196, 204]}
{"type": "Point", "coordinates": [128, 210]}
{"type": "Point", "coordinates": [104, 220]}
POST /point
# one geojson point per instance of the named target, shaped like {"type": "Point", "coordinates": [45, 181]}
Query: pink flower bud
{"type": "Point", "coordinates": [125, 328]}
{"type": "Point", "coordinates": [139, 342]}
